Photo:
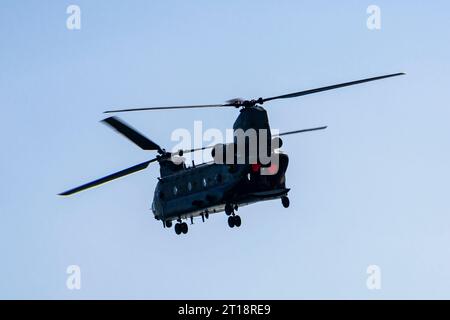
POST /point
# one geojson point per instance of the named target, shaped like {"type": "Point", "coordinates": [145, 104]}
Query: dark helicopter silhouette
{"type": "Point", "coordinates": [200, 190]}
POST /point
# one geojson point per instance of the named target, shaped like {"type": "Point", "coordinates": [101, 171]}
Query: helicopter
{"type": "Point", "coordinates": [185, 192]}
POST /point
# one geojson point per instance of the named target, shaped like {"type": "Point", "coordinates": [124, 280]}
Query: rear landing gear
{"type": "Point", "coordinates": [231, 221]}
{"type": "Point", "coordinates": [234, 221]}
{"type": "Point", "coordinates": [237, 221]}
{"type": "Point", "coordinates": [181, 228]}
{"type": "Point", "coordinates": [285, 201]}
{"type": "Point", "coordinates": [229, 209]}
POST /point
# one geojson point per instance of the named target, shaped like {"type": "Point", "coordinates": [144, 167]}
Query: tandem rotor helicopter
{"type": "Point", "coordinates": [184, 192]}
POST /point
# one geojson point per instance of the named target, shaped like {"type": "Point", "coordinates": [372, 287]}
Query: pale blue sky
{"type": "Point", "coordinates": [371, 189]}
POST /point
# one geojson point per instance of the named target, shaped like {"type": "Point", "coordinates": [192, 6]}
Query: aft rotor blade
{"type": "Point", "coordinates": [197, 149]}
{"type": "Point", "coordinates": [108, 178]}
{"type": "Point", "coordinates": [172, 107]}
{"type": "Point", "coordinates": [136, 137]}
{"type": "Point", "coordinates": [301, 131]}
{"type": "Point", "coordinates": [336, 86]}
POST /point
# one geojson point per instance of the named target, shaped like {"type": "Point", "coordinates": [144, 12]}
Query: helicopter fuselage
{"type": "Point", "coordinates": [207, 188]}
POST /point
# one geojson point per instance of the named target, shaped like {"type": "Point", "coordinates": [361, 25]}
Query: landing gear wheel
{"type": "Point", "coordinates": [228, 209]}
{"type": "Point", "coordinates": [234, 221]}
{"type": "Point", "coordinates": [178, 228]}
{"type": "Point", "coordinates": [237, 221]}
{"type": "Point", "coordinates": [231, 221]}
{"type": "Point", "coordinates": [184, 227]}
{"type": "Point", "coordinates": [285, 202]}
{"type": "Point", "coordinates": [168, 224]}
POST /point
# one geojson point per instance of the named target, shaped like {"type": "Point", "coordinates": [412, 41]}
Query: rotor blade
{"type": "Point", "coordinates": [132, 134]}
{"type": "Point", "coordinates": [336, 86]}
{"type": "Point", "coordinates": [108, 178]}
{"type": "Point", "coordinates": [172, 107]}
{"type": "Point", "coordinates": [197, 149]}
{"type": "Point", "coordinates": [300, 131]}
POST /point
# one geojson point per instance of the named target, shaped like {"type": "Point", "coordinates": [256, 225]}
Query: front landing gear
{"type": "Point", "coordinates": [285, 201]}
{"type": "Point", "coordinates": [234, 221]}
{"type": "Point", "coordinates": [168, 224]}
{"type": "Point", "coordinates": [181, 228]}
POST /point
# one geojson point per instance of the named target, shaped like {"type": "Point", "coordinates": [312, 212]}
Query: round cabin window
{"type": "Point", "coordinates": [189, 186]}
{"type": "Point", "coordinates": [204, 182]}
{"type": "Point", "coordinates": [175, 190]}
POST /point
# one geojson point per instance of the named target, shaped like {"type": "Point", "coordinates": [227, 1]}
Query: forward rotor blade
{"type": "Point", "coordinates": [336, 86]}
{"type": "Point", "coordinates": [172, 107]}
{"type": "Point", "coordinates": [136, 137]}
{"type": "Point", "coordinates": [300, 131]}
{"type": "Point", "coordinates": [108, 178]}
{"type": "Point", "coordinates": [249, 103]}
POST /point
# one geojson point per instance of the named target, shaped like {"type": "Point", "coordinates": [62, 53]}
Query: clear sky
{"type": "Point", "coordinates": [373, 189]}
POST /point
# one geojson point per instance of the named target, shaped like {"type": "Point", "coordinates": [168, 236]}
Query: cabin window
{"type": "Point", "coordinates": [189, 186]}
{"type": "Point", "coordinates": [204, 182]}
{"type": "Point", "coordinates": [175, 190]}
